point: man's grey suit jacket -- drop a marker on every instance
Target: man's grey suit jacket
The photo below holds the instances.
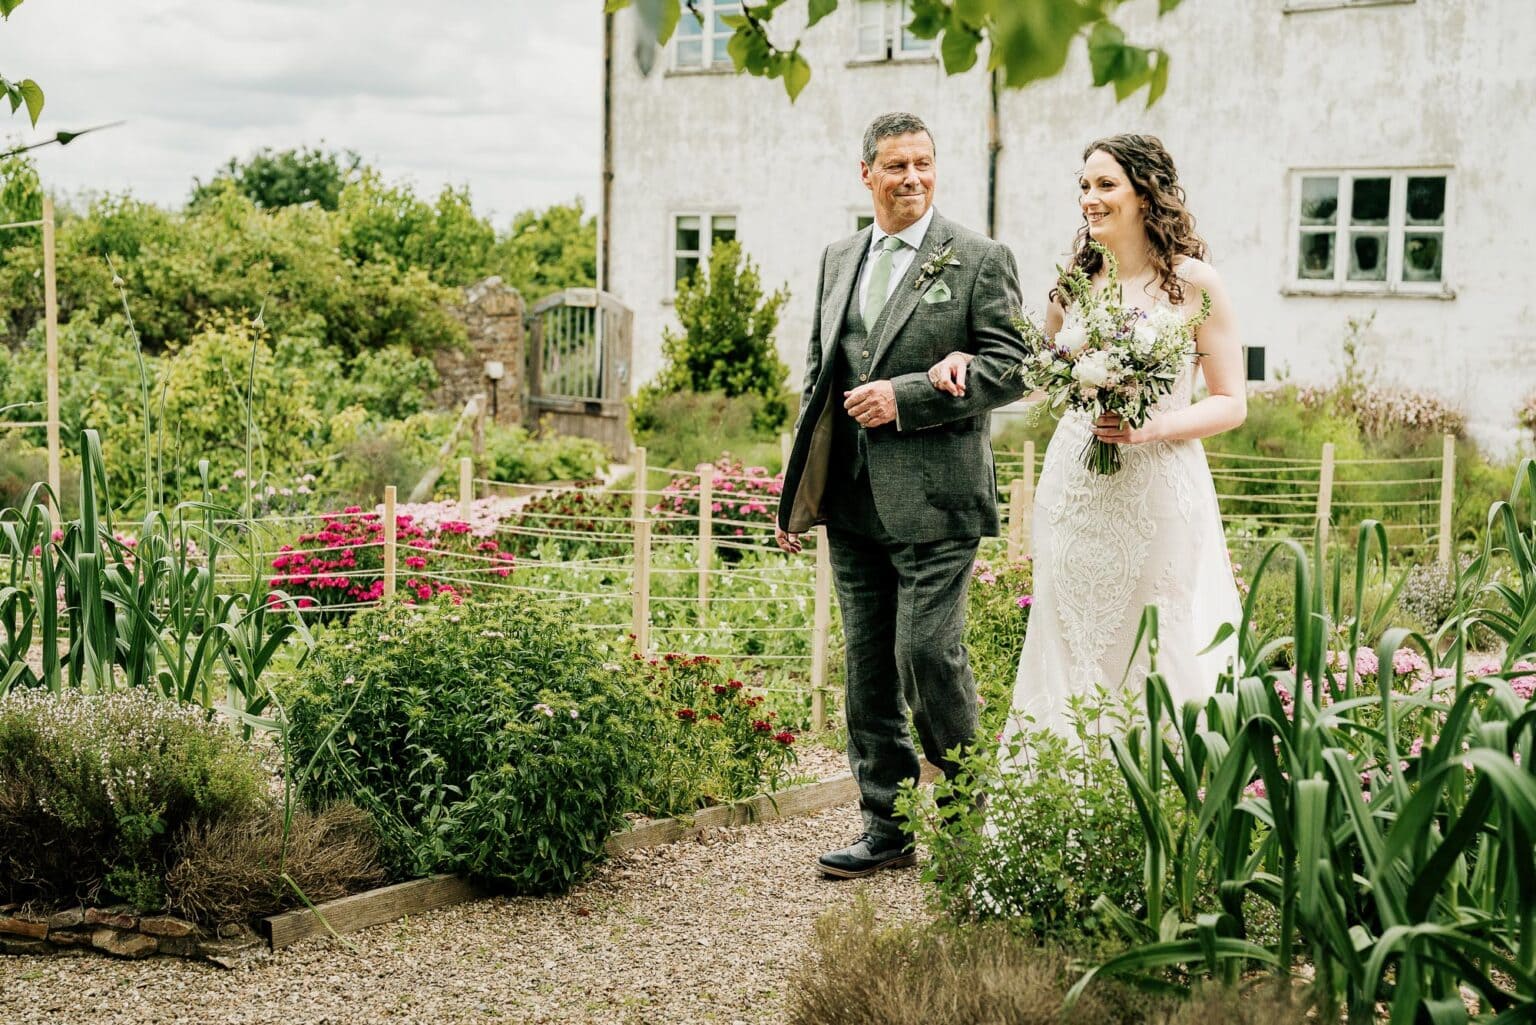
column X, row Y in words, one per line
column 931, row 471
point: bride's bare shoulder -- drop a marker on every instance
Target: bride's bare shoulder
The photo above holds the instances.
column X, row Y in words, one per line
column 1195, row 271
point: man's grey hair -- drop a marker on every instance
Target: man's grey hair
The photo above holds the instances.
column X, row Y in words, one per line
column 887, row 125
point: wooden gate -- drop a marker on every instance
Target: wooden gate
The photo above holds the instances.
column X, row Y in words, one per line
column 579, row 359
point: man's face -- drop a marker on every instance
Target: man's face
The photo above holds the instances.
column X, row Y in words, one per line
column 901, row 179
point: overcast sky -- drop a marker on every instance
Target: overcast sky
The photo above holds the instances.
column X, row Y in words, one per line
column 502, row 95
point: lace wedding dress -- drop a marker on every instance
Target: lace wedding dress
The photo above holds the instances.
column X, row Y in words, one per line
column 1106, row 547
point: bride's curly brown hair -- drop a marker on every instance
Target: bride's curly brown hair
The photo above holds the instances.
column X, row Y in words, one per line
column 1170, row 226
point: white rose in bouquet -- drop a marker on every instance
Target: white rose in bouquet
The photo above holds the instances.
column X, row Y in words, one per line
column 1072, row 336
column 1143, row 337
column 1164, row 320
column 1092, row 370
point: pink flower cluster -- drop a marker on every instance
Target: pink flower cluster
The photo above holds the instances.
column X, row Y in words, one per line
column 744, row 496
column 343, row 562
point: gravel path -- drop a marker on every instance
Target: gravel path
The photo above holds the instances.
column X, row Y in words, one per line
column 701, row 931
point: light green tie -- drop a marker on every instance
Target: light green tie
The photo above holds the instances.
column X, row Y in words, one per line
column 879, row 280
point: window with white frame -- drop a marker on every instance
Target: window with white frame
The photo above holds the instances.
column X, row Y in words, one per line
column 692, row 237
column 1370, row 230
column 882, row 31
column 702, row 44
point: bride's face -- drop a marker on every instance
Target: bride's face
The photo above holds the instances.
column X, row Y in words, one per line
column 1108, row 200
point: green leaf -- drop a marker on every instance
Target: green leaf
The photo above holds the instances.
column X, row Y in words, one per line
column 609, row 6
column 820, row 9
column 1106, row 43
column 671, row 13
column 13, row 93
column 959, row 48
column 928, row 19
column 7, row 6
column 1133, row 71
column 32, row 93
column 797, row 74
column 972, row 12
column 1166, row 6
column 1159, row 79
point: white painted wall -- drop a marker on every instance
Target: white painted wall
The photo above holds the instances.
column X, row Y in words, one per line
column 1256, row 91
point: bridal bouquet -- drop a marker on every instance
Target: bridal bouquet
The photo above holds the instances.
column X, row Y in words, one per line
column 1109, row 356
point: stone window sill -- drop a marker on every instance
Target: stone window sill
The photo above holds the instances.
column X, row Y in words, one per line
column 1444, row 294
column 875, row 62
column 1307, row 6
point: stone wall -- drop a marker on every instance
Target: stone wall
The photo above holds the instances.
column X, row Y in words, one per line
column 492, row 314
column 121, row 932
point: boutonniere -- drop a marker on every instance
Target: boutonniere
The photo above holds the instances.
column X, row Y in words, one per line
column 943, row 258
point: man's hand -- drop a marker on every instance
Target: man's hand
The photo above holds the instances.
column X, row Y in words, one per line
column 872, row 404
column 787, row 541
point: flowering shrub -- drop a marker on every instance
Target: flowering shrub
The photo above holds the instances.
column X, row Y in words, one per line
column 715, row 741
column 997, row 613
column 487, row 738
column 746, row 499
column 270, row 496
column 96, row 788
column 586, row 509
column 342, row 563
column 1381, row 411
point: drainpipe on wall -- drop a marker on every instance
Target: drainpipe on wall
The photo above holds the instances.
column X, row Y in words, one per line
column 994, row 146
column 604, row 216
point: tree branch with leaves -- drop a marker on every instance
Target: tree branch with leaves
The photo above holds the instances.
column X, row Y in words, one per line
column 25, row 92
column 1029, row 40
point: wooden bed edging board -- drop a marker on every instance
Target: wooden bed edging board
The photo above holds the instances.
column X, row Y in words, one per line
column 360, row 910
column 375, row 907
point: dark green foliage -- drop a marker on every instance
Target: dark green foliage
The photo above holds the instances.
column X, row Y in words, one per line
column 727, row 340
column 286, row 178
column 485, row 739
column 513, row 454
column 1058, row 831
column 95, row 790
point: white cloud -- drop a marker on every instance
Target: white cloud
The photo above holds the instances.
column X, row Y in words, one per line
column 502, row 95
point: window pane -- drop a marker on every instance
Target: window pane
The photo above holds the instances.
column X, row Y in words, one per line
column 722, row 52
column 690, row 53
column 685, row 266
column 1316, row 256
column 1372, row 201
column 687, row 234
column 1255, row 354
column 1319, row 200
column 912, row 44
column 688, row 25
column 1421, row 256
column 1426, row 200
column 723, row 229
column 1367, row 256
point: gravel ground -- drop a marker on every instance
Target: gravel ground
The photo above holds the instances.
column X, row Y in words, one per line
column 701, row 931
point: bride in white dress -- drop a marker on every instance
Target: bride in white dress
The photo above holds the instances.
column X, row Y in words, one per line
column 1107, row 546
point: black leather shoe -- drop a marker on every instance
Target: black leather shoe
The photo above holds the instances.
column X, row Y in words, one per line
column 865, row 856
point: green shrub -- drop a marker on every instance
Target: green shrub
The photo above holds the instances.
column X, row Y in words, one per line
column 485, row 739
column 682, row 429
column 513, row 454
column 96, row 788
column 997, row 611
column 1056, row 831
column 585, row 509
column 714, row 741
column 727, row 340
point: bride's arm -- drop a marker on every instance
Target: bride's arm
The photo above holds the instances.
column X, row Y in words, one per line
column 1221, row 360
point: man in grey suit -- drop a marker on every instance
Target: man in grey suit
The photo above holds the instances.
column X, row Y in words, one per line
column 900, row 472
